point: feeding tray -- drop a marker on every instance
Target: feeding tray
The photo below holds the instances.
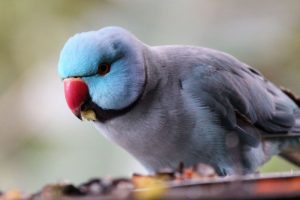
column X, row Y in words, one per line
column 183, row 184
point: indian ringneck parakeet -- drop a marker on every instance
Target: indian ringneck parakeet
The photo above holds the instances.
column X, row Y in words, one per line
column 172, row 104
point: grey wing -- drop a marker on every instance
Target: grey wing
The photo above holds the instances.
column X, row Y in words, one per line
column 242, row 98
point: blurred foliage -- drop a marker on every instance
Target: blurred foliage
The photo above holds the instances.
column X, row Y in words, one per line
column 41, row 141
column 27, row 26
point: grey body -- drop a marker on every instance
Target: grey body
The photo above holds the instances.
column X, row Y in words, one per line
column 172, row 104
column 201, row 105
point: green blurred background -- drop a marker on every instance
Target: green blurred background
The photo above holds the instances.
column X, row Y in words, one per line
column 42, row 142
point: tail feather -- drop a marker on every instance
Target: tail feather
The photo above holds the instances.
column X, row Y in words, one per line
column 296, row 99
column 290, row 94
column 290, row 146
column 296, row 127
column 292, row 156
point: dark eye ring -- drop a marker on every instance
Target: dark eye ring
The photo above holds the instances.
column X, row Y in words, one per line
column 103, row 69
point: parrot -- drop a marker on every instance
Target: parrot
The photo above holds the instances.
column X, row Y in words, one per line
column 173, row 104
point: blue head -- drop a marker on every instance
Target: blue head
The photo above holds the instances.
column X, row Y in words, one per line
column 110, row 62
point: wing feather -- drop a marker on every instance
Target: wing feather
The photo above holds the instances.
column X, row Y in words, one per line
column 241, row 97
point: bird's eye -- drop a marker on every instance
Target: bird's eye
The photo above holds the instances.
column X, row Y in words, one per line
column 103, row 69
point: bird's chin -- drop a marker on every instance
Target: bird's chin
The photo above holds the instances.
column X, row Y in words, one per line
column 92, row 112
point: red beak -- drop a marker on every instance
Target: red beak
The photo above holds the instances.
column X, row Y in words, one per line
column 76, row 93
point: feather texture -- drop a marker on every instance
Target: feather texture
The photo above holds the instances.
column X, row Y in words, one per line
column 172, row 104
